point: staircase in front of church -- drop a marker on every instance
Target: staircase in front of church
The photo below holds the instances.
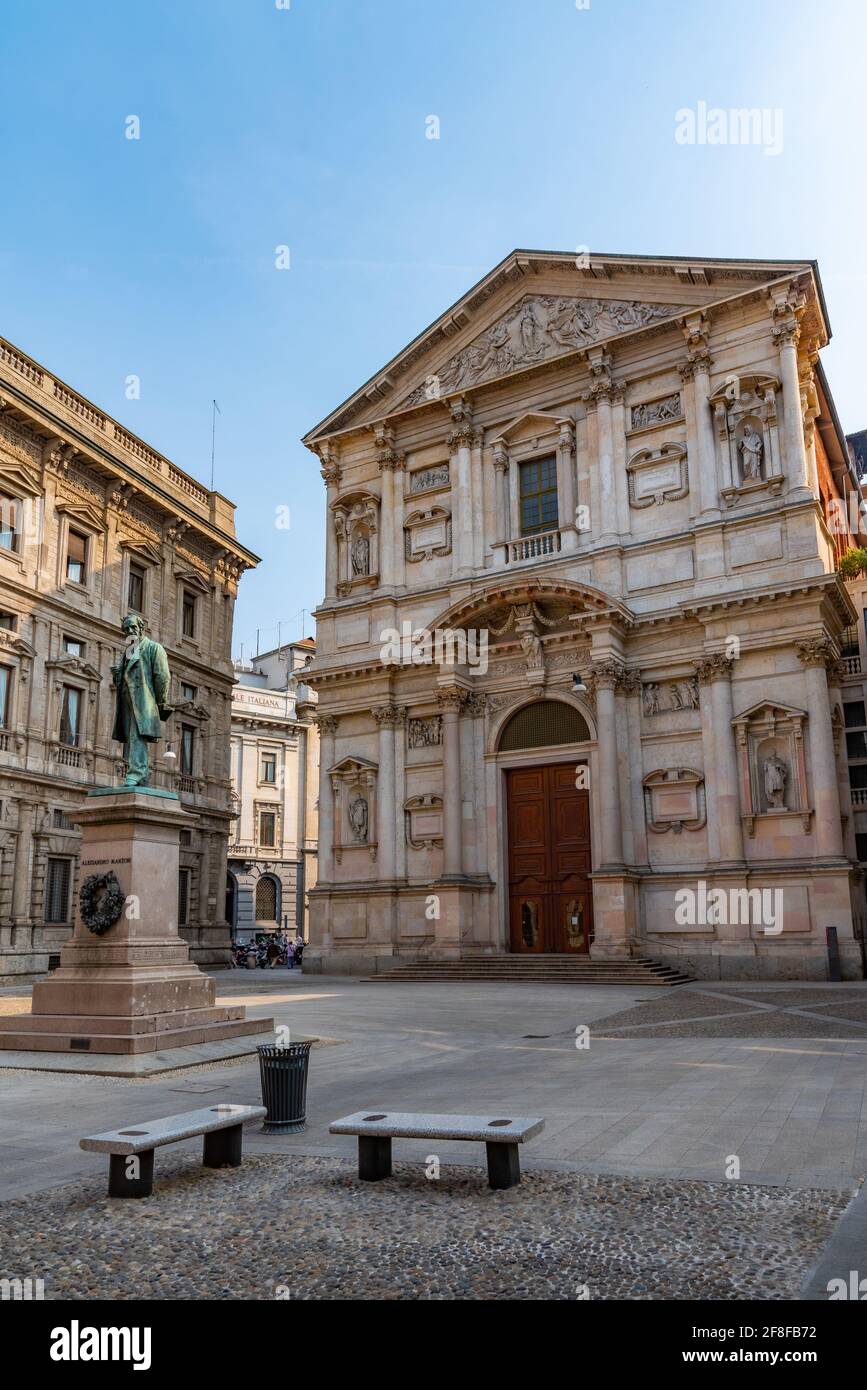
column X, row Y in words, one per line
column 561, row 970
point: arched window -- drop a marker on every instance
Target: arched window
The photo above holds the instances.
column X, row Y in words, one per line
column 266, row 899
column 541, row 725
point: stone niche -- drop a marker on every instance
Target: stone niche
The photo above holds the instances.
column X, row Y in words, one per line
column 674, row 799
column 747, row 436
column 772, row 764
column 356, row 526
column 353, row 783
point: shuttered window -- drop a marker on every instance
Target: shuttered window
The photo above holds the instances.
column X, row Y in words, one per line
column 541, row 725
column 57, row 882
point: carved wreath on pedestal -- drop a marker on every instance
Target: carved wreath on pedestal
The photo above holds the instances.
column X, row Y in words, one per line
column 101, row 901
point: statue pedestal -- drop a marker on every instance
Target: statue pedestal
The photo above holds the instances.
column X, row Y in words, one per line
column 133, row 989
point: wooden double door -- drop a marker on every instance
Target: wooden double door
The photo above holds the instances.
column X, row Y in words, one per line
column 550, row 893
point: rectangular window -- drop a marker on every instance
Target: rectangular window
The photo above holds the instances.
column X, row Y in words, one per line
column 188, row 692
column 5, row 696
column 849, row 641
column 267, row 829
column 183, row 897
column 853, row 714
column 268, row 772
column 76, row 557
column 9, row 621
column 73, row 647
column 57, row 882
column 188, row 614
column 856, row 745
column 538, row 495
column 60, row 820
column 858, row 776
column 135, row 591
column 70, row 716
column 10, row 523
column 188, row 745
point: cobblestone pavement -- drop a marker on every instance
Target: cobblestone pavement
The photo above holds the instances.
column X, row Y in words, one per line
column 716, row 1012
column 305, row 1228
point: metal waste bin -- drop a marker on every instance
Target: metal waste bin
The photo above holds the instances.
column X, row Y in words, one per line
column 284, row 1086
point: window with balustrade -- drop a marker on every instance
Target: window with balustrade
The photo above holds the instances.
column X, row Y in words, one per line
column 855, row 724
column 70, row 716
column 5, row 696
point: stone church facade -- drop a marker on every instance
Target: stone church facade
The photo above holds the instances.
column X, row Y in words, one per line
column 578, row 659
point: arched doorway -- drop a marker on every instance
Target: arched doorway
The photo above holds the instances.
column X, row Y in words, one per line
column 548, row 818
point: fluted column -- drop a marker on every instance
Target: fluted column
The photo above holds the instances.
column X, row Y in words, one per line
column 331, row 476
column 388, row 718
column 606, row 677
column 816, row 654
column 460, row 442
column 450, row 700
column 600, row 395
column 696, row 370
column 786, row 335
column 715, row 671
column 327, row 726
column 385, row 457
column 566, row 486
column 501, row 497
column 631, row 686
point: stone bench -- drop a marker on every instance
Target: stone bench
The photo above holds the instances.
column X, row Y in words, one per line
column 221, row 1125
column 500, row 1135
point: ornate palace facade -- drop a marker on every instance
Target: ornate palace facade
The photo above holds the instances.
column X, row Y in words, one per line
column 95, row 523
column 578, row 658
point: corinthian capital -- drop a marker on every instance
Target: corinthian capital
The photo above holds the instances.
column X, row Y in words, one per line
column 607, row 674
column 715, row 667
column 816, row 651
column 326, row 724
column 451, row 697
column 389, row 715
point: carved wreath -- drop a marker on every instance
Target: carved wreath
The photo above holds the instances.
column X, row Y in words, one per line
column 101, row 902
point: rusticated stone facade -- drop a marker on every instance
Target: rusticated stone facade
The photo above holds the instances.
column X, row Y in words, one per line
column 603, row 491
column 96, row 523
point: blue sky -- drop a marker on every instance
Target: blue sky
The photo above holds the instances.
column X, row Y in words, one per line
column 305, row 127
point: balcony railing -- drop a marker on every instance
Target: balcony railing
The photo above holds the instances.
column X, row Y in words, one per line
column 70, row 757
column 859, row 796
column 536, row 547
column 852, row 665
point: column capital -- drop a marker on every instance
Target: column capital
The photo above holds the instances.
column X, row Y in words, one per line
column 451, row 697
column 566, row 438
column 607, row 674
column 326, row 723
column 787, row 334
column 389, row 715
column 476, row 704
column 462, row 431
column 500, row 456
column 816, row 651
column 715, row 667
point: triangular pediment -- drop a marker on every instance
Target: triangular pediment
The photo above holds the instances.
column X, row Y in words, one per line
column 17, row 480
column 87, row 516
column 352, row 764
column 537, row 306
column 142, row 549
column 769, row 711
column 192, row 580
column 533, row 425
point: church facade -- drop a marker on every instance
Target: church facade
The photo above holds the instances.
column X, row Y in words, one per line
column 579, row 655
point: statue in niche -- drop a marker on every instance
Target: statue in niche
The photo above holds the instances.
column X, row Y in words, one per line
column 358, row 819
column 360, row 556
column 751, row 448
column 532, row 649
column 651, row 699
column 775, row 774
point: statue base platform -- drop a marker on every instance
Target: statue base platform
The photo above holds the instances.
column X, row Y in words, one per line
column 133, row 989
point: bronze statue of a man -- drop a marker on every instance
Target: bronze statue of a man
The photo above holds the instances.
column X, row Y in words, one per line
column 141, row 681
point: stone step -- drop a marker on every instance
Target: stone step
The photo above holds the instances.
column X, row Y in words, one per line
column 534, row 970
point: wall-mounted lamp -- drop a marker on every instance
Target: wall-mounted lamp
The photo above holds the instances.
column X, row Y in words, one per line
column 578, row 686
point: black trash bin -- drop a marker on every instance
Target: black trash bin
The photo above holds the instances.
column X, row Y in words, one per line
column 284, row 1087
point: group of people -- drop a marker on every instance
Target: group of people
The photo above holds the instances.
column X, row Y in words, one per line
column 269, row 950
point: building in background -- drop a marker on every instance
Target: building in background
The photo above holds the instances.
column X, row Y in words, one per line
column 622, row 482
column 275, row 777
column 95, row 523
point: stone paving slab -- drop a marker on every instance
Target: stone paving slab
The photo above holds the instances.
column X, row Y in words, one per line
column 324, row 1235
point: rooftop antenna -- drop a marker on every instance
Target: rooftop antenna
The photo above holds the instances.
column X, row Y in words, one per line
column 214, row 413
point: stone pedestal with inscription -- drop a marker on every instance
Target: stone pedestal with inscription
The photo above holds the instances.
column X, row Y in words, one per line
column 130, row 988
